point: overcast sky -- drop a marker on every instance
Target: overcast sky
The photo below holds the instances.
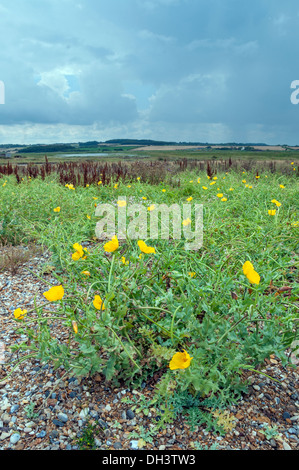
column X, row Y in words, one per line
column 173, row 70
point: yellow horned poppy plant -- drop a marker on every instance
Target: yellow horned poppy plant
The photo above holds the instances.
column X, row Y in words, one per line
column 252, row 276
column 75, row 326
column 144, row 248
column 186, row 222
column 121, row 203
column 98, row 303
column 180, row 360
column 55, row 293
column 78, row 253
column 19, row 314
column 112, row 245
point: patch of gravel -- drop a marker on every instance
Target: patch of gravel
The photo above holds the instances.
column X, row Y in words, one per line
column 46, row 409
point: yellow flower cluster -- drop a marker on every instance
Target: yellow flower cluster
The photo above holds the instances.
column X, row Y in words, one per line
column 79, row 253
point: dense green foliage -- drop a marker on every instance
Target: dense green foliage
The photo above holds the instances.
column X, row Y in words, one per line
column 175, row 299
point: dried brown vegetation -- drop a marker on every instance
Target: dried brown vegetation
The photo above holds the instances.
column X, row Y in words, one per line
column 88, row 172
column 12, row 257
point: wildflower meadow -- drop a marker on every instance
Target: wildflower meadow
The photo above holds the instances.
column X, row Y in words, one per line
column 132, row 306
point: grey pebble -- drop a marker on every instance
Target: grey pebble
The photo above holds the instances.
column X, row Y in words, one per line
column 84, row 413
column 58, row 423
column 273, row 443
column 134, row 445
column 102, row 424
column 41, row 434
column 130, row 414
column 5, row 418
column 14, row 438
column 27, row 430
column 14, row 408
column 54, row 434
column 117, row 445
column 62, row 417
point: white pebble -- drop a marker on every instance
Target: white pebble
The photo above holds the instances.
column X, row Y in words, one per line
column 14, row 438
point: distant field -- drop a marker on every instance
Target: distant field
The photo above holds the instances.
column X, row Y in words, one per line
column 152, row 153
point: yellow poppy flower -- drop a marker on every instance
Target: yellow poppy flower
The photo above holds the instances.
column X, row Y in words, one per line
column 272, row 212
column 281, row 186
column 98, row 303
column 247, row 266
column 220, row 195
column 190, row 199
column 129, row 186
column 186, row 222
column 192, row 274
column 213, row 182
column 121, row 203
column 151, row 208
column 75, row 326
column 204, row 187
column 243, row 181
column 224, row 199
column 55, row 293
column 86, row 273
column 88, row 216
column 144, row 248
column 124, row 261
column 78, row 253
column 180, row 360
column 57, row 209
column 99, row 183
column 278, row 204
column 231, row 189
column 112, row 245
column 19, row 314
column 163, row 190
column 252, row 276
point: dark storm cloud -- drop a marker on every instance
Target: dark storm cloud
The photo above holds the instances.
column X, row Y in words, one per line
column 166, row 69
